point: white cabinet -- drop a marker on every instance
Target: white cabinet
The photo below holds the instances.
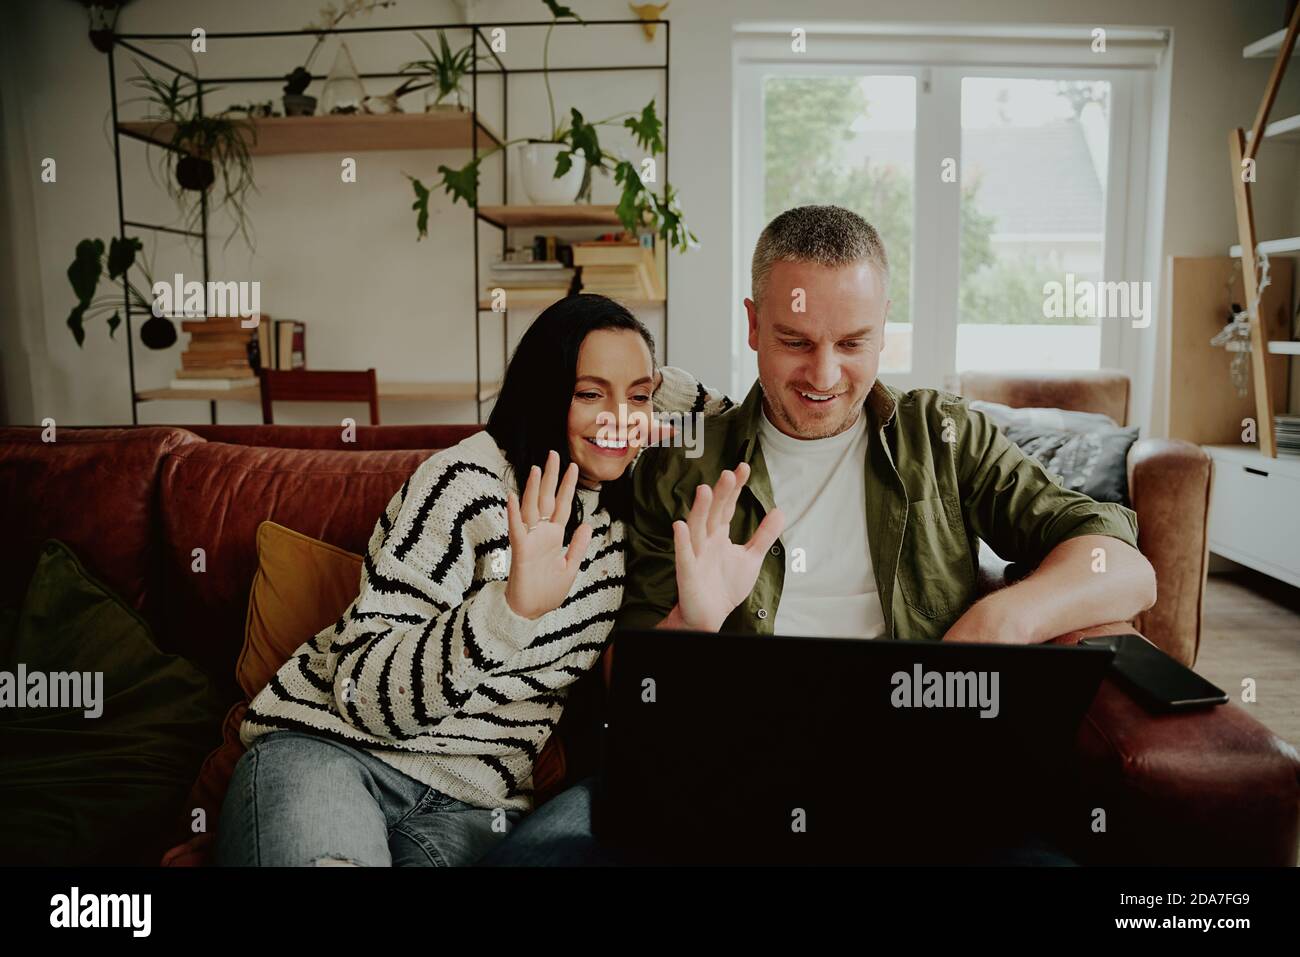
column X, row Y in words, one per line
column 1255, row 510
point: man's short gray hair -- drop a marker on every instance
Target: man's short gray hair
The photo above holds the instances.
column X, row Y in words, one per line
column 825, row 235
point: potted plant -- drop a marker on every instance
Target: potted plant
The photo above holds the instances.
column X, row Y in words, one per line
column 548, row 178
column 198, row 147
column 296, row 100
column 559, row 169
column 88, row 266
column 445, row 69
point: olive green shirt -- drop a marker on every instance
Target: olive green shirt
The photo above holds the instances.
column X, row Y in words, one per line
column 939, row 477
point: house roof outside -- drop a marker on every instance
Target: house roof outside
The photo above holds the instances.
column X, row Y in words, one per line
column 1037, row 180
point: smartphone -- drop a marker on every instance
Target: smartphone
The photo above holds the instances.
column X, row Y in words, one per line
column 1158, row 681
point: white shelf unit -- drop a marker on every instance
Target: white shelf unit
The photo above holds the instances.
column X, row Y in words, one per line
column 1255, row 510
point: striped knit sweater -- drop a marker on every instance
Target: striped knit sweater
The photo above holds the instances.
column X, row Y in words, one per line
column 429, row 668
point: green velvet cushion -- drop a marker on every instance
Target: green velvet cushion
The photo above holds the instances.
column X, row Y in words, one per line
column 102, row 790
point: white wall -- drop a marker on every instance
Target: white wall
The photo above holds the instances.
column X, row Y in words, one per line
column 344, row 257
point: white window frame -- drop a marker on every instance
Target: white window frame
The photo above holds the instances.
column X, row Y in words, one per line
column 939, row 65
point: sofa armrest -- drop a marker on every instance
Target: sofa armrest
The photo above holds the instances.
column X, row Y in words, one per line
column 1169, row 488
column 1212, row 787
column 1209, row 787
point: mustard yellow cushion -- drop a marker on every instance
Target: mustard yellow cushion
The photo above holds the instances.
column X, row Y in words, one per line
column 301, row 586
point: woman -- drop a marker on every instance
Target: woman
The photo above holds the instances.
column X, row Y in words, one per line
column 406, row 732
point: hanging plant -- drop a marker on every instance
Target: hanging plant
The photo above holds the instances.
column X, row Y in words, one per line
column 88, row 267
column 103, row 21
column 639, row 207
column 200, row 149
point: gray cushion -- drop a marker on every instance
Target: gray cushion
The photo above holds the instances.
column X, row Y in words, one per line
column 1086, row 451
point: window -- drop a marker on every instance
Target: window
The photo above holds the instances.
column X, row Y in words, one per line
column 849, row 141
column 1033, row 185
column 987, row 181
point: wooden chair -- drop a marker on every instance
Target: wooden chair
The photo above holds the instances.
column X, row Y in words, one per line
column 312, row 385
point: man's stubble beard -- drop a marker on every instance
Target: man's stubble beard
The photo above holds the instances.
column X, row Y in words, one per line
column 782, row 419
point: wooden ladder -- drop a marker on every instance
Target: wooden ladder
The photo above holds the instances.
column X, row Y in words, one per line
column 1242, row 150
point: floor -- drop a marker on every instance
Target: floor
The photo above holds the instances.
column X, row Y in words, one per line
column 1252, row 629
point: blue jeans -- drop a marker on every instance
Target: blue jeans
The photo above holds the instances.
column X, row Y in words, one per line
column 299, row 799
column 559, row 834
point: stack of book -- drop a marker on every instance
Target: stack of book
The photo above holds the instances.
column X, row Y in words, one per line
column 1286, row 430
column 221, row 353
column 621, row 270
column 529, row 283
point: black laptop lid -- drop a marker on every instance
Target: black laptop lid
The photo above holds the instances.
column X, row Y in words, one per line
column 741, row 747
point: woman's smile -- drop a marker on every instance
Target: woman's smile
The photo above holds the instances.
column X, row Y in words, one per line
column 612, row 448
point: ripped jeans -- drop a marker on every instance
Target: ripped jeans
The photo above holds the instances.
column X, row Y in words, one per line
column 298, row 799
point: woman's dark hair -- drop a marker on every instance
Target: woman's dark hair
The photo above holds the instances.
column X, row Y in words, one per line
column 531, row 415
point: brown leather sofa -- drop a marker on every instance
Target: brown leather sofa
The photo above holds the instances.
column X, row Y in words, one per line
column 1169, row 489
column 1208, row 788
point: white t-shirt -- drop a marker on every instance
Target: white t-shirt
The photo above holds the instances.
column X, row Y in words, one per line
column 820, row 485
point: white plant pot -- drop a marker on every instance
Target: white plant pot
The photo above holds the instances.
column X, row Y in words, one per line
column 537, row 166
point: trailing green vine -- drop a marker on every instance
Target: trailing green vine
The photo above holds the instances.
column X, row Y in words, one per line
column 638, row 208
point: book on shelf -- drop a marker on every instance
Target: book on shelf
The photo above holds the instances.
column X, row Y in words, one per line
column 549, row 271
column 217, row 345
column 552, row 248
column 198, row 357
column 240, row 362
column 216, row 372
column 228, row 336
column 290, row 344
column 265, row 347
column 620, row 269
column 620, row 281
column 526, row 266
column 225, row 354
column 1286, row 430
column 221, row 325
column 538, row 281
column 209, row 384
column 221, row 353
column 529, row 295
column 599, row 253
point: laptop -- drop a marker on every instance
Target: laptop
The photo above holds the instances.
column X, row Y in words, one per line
column 737, row 748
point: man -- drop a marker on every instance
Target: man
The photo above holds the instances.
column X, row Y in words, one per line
column 884, row 496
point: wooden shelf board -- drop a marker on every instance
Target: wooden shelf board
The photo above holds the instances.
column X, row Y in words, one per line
column 399, row 391
column 278, row 135
column 575, row 214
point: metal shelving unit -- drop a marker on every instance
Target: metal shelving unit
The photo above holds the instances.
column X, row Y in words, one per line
column 390, row 132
